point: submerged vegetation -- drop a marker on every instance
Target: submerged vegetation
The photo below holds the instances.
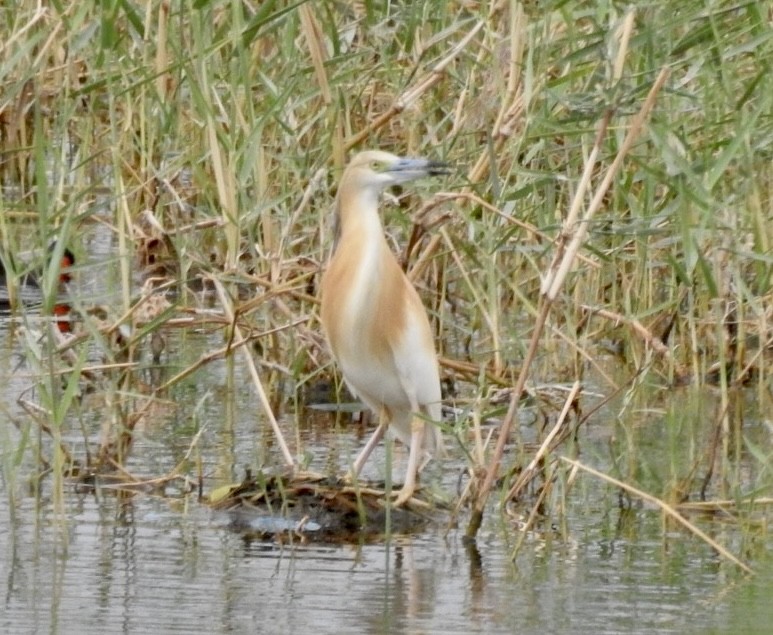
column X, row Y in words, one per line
column 204, row 140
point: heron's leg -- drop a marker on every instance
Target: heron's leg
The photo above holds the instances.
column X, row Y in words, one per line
column 414, row 456
column 383, row 424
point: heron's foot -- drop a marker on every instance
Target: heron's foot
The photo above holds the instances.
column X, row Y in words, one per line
column 348, row 479
column 404, row 495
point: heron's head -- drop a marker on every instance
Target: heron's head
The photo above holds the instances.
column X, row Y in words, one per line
column 375, row 170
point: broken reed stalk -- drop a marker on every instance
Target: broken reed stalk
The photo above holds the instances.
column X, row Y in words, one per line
column 237, row 334
column 665, row 508
column 650, row 339
column 573, row 233
column 222, row 352
column 488, row 316
column 526, row 475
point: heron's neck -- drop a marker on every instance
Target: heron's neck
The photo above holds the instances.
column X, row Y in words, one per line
column 359, row 218
column 361, row 247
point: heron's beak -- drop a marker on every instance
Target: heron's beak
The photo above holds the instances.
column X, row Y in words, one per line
column 409, row 169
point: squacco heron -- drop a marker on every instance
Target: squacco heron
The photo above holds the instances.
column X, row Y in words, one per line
column 374, row 321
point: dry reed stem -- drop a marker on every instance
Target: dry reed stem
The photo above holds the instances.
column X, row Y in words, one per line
column 623, row 35
column 407, row 98
column 473, row 371
column 17, row 34
column 175, row 472
column 33, row 409
column 163, row 78
column 459, row 117
column 224, row 176
column 723, row 505
column 95, row 368
column 665, row 508
column 134, row 483
column 479, row 448
column 535, row 510
column 228, row 309
column 553, row 282
column 126, row 317
column 517, row 45
column 197, row 226
column 512, row 105
column 125, row 231
column 637, row 327
column 273, row 290
column 222, row 352
column 112, row 450
column 315, row 184
column 316, row 43
column 50, row 42
column 65, row 344
column 571, row 230
column 526, row 475
column 556, row 275
column 479, row 302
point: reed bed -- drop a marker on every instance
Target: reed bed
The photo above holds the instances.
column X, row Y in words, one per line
column 611, row 198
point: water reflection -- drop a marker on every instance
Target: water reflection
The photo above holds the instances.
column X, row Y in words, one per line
column 122, row 563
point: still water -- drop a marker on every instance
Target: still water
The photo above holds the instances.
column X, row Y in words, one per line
column 99, row 561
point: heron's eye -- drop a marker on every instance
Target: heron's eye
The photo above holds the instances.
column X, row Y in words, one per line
column 376, row 166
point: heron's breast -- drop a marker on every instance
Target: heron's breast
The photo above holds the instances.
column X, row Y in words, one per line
column 346, row 295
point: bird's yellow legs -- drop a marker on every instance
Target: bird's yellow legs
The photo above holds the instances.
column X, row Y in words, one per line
column 362, row 457
column 414, row 455
column 417, row 443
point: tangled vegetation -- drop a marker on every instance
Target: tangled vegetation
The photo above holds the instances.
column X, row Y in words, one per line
column 207, row 137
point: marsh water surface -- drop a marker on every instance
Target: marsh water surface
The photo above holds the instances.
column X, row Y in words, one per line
column 76, row 559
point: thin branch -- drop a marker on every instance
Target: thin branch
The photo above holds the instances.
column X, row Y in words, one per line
column 665, row 508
